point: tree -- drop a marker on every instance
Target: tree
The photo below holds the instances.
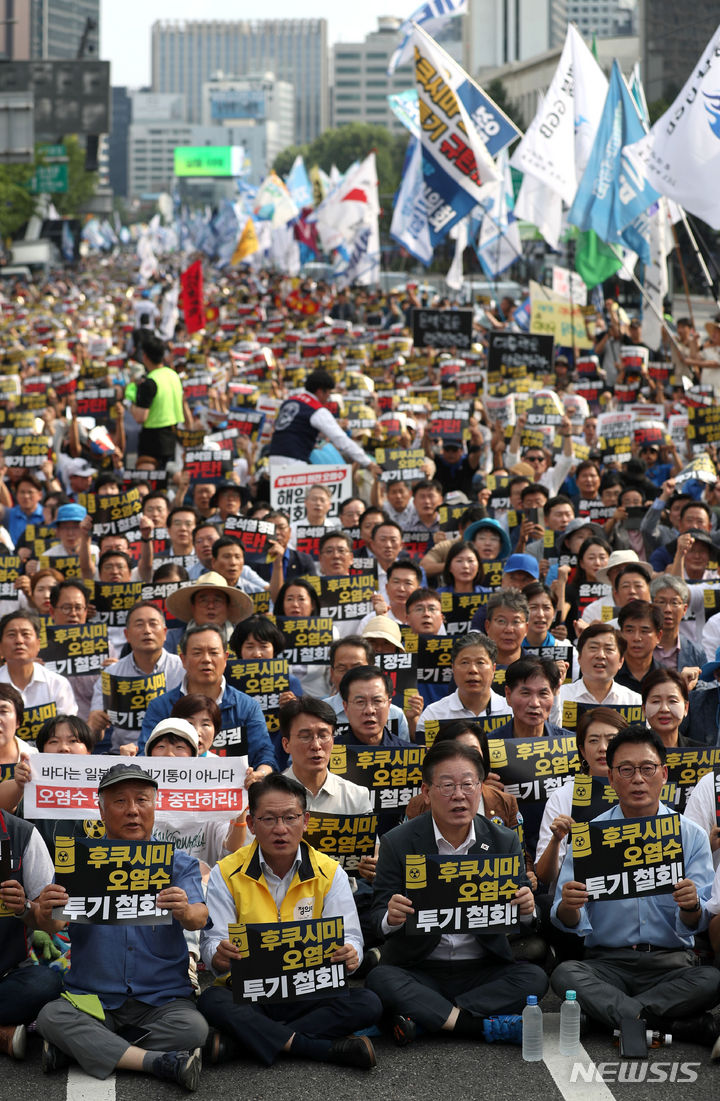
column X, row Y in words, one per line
column 81, row 184
column 352, row 143
column 17, row 203
column 497, row 92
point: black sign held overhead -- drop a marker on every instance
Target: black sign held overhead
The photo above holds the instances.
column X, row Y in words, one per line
column 531, row 351
column 442, row 328
column 5, row 860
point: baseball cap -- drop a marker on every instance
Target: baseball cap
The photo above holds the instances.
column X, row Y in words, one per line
column 181, row 728
column 68, row 514
column 525, row 562
column 119, row 773
column 80, row 468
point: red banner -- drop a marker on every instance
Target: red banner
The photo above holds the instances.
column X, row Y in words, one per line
column 191, row 297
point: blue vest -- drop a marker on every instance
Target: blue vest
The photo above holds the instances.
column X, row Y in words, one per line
column 293, row 435
column 13, row 943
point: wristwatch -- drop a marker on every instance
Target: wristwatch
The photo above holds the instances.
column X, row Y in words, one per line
column 25, row 910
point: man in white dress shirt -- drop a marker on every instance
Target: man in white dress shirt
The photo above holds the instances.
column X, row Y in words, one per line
column 600, row 654
column 473, row 666
column 19, row 648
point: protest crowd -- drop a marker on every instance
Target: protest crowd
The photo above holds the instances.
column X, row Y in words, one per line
column 360, row 651
column 357, row 647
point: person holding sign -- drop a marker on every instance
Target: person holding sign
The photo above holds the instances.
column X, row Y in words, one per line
column 464, row 983
column 473, row 667
column 639, row 961
column 19, row 647
column 279, row 876
column 130, row 977
column 600, row 654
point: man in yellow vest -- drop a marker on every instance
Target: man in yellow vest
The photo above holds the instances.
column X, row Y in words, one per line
column 279, row 877
column 158, row 404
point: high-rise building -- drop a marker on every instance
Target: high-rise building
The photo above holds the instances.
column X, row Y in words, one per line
column 673, row 40
column 604, row 18
column 52, row 29
column 500, row 32
column 187, row 54
column 117, row 142
column 260, row 110
column 360, row 81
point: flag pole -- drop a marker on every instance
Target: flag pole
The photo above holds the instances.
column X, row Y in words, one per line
column 683, row 274
column 699, row 256
column 648, row 300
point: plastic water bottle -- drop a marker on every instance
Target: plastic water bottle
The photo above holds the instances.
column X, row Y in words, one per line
column 570, row 1024
column 532, row 1031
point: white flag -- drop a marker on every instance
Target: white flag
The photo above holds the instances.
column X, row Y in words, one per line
column 454, row 277
column 558, row 141
column 353, row 203
column 655, row 278
column 681, row 154
column 432, row 16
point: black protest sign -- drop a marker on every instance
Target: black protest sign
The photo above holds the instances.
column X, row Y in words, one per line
column 231, row 742
column 308, row 639
column 402, row 670
column 206, row 465
column 392, row 775
column 249, row 422
column 459, row 609
column 462, row 894
column 686, row 765
column 115, row 515
column 628, row 857
column 33, row 719
column 307, row 538
column 112, row 882
column 434, row 659
column 265, row 681
column 572, row 712
column 68, row 565
column 190, row 437
column 253, row 535
column 347, row 597
column 592, row 795
column 532, row 768
column 26, row 452
column 487, row 723
column 114, row 601
column 287, row 960
column 516, row 355
column 9, row 572
column 95, row 401
column 157, row 593
column 74, row 651
column 126, row 699
column 401, row 464
column 442, row 328
column 344, row 837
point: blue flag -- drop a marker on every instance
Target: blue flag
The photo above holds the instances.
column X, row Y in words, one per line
column 612, row 193
column 298, row 184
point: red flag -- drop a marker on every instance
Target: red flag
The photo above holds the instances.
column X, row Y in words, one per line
column 191, row 298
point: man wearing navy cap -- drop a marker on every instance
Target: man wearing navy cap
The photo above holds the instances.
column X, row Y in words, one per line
column 134, row 978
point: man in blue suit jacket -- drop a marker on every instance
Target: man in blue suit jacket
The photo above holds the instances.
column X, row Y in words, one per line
column 466, row 983
column 203, row 653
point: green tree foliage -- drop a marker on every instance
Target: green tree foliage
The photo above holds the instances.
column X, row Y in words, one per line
column 496, row 90
column 81, row 184
column 16, row 202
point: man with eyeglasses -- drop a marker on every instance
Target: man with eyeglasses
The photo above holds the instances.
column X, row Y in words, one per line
column 639, row 960
column 464, row 983
column 69, row 608
column 308, row 726
column 350, row 653
column 279, row 877
column 549, row 473
column 365, row 692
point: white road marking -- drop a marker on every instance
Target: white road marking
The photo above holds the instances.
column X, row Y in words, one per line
column 560, row 1066
column 83, row 1087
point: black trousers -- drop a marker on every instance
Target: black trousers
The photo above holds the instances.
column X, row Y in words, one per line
column 264, row 1029
column 428, row 991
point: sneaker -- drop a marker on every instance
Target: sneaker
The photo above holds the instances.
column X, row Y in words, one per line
column 353, row 1051
column 182, row 1067
column 404, row 1030
column 505, row 1029
column 219, row 1048
column 13, row 1041
column 53, row 1058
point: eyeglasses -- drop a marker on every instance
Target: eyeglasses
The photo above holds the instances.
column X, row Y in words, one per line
column 534, row 458
column 68, row 609
column 447, row 788
column 669, row 603
column 374, row 704
column 308, row 739
column 269, row 821
column 647, row 770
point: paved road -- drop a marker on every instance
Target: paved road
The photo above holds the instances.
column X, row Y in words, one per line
column 430, row 1070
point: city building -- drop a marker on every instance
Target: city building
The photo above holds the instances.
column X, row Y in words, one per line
column 259, row 109
column 500, row 32
column 116, row 142
column 360, row 81
column 673, row 39
column 53, row 29
column 188, row 54
column 604, row 18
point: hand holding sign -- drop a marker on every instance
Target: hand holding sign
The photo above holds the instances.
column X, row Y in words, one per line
column 399, row 907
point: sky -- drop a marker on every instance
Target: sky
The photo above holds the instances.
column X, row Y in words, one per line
column 125, row 24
